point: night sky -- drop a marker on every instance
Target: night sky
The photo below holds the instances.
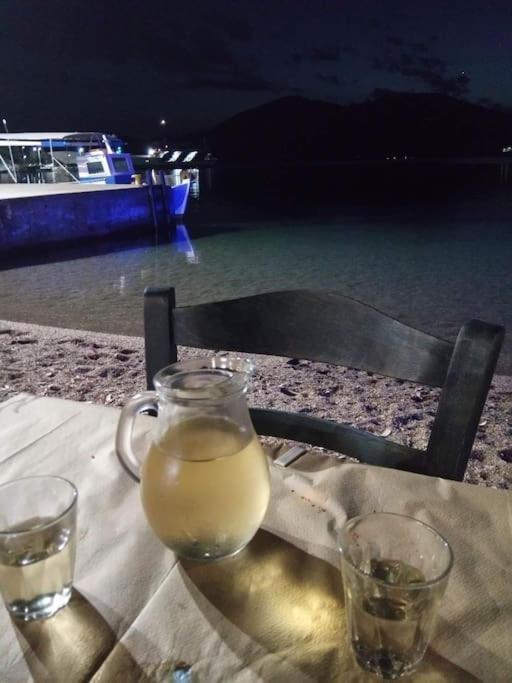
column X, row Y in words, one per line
column 122, row 65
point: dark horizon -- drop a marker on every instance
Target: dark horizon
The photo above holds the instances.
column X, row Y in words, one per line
column 72, row 65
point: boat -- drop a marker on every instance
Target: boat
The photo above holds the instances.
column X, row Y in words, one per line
column 92, row 158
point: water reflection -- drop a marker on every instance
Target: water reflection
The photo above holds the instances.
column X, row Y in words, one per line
column 183, row 244
column 120, row 286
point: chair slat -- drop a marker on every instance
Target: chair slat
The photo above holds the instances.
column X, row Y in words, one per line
column 159, row 343
column 319, row 326
column 335, row 436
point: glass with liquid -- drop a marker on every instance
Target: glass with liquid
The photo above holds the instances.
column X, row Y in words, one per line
column 205, row 481
column 395, row 570
column 37, row 545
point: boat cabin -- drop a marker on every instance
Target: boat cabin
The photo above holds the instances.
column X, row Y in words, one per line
column 102, row 166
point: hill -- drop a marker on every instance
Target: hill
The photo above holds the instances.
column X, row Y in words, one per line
column 296, row 129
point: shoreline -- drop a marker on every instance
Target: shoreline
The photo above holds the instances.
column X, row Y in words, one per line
column 103, row 368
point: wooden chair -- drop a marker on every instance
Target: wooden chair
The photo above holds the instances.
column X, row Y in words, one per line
column 331, row 328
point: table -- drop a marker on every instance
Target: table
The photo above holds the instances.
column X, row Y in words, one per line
column 275, row 612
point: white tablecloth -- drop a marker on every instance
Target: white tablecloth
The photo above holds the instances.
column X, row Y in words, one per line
column 138, row 614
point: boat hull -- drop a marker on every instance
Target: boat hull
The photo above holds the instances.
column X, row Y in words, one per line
column 177, row 198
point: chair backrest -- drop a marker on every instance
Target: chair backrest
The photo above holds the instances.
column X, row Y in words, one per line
column 329, row 327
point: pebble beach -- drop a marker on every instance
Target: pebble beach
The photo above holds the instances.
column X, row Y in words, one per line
column 108, row 369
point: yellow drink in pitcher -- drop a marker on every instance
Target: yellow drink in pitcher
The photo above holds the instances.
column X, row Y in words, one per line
column 205, row 487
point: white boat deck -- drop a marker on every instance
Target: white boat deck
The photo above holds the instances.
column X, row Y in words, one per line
column 24, row 190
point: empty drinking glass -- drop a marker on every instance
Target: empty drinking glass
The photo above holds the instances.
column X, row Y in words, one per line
column 37, row 545
column 395, row 570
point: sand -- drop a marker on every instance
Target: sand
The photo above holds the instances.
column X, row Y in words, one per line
column 108, row 369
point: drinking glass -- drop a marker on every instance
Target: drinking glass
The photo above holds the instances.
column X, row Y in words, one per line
column 395, row 570
column 37, row 545
column 205, row 482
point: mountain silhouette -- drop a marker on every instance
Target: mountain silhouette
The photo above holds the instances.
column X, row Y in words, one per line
column 416, row 125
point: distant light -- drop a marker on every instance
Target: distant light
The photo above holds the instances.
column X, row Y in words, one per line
column 163, row 122
column 119, row 150
column 190, row 156
column 506, row 149
column 24, row 156
column 34, row 149
column 80, row 150
column 175, row 156
column 151, row 151
column 4, row 121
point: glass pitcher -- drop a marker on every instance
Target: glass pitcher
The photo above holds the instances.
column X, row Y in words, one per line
column 205, row 482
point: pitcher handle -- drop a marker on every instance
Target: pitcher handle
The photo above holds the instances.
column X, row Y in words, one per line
column 124, row 449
